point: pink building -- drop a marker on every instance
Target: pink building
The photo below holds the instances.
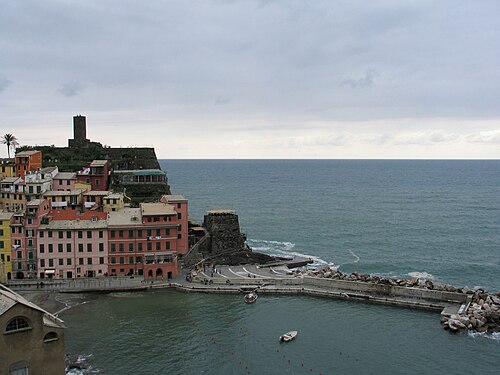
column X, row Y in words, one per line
column 180, row 205
column 24, row 230
column 73, row 244
column 64, row 181
column 96, row 174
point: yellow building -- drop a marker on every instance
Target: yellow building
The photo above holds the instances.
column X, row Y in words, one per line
column 63, row 200
column 5, row 246
column 7, row 168
column 113, row 202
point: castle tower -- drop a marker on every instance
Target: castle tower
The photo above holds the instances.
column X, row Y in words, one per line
column 79, row 132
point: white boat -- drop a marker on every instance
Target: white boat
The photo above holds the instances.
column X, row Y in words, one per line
column 250, row 297
column 289, row 336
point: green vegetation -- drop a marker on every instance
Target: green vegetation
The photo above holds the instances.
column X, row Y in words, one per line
column 10, row 141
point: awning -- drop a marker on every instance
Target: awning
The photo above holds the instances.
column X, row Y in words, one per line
column 50, row 272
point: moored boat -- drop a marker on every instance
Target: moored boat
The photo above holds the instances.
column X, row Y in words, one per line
column 250, row 297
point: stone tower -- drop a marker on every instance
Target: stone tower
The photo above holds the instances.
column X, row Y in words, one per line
column 79, row 132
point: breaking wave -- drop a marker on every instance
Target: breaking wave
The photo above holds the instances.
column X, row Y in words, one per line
column 492, row 336
column 285, row 249
column 421, row 275
column 80, row 365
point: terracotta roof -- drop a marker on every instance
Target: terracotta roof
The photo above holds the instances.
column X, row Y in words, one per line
column 75, row 215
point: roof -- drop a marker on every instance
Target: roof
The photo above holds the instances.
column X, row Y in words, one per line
column 174, row 198
column 75, row 215
column 9, row 298
column 6, row 215
column 125, row 216
column 141, row 172
column 63, row 193
column 219, row 212
column 115, row 196
column 9, row 180
column 65, row 176
column 35, row 202
column 24, row 154
column 157, row 209
column 98, row 163
column 74, row 224
column 99, row 193
column 48, row 169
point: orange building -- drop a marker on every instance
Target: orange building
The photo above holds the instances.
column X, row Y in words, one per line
column 27, row 161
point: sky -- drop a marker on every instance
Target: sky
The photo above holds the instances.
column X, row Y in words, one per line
column 256, row 78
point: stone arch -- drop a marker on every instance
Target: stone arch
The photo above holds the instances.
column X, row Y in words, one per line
column 150, row 273
column 159, row 272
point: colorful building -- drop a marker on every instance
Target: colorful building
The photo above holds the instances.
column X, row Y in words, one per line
column 12, row 197
column 113, row 202
column 7, row 168
column 96, row 174
column 38, row 182
column 31, row 339
column 64, row 181
column 24, row 229
column 73, row 244
column 26, row 161
column 65, row 200
column 5, row 246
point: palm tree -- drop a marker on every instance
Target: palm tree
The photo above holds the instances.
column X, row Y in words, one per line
column 11, row 141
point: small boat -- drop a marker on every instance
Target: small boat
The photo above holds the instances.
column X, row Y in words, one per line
column 250, row 298
column 289, row 336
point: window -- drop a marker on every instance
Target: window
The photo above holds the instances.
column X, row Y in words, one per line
column 51, row 262
column 120, row 233
column 80, row 248
column 131, row 260
column 80, row 261
column 89, row 260
column 178, row 205
column 60, row 247
column 41, row 233
column 158, row 246
column 68, row 234
column 179, row 216
column 158, row 232
column 42, row 262
column 101, row 247
column 122, row 260
column 17, row 324
column 68, row 261
column 51, row 248
column 89, row 247
column 80, row 234
column 167, row 245
column 131, row 234
column 149, row 233
column 139, row 233
column 138, row 259
column 61, row 261
column 122, row 248
column 60, row 234
column 113, row 260
column 179, row 236
column 101, row 260
column 68, row 248
column 51, row 336
column 150, row 246
column 112, row 234
column 89, row 234
column 139, row 246
column 101, row 234
column 113, row 247
column 42, row 248
column 167, row 232
column 50, row 233
column 130, row 247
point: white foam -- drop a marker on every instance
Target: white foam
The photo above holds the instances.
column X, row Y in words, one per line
column 492, row 336
column 280, row 249
column 421, row 275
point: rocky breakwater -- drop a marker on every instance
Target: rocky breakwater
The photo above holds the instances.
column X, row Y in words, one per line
column 482, row 315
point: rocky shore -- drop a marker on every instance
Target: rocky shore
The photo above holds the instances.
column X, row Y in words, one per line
column 481, row 315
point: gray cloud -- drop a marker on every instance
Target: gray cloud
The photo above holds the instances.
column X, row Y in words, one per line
column 70, row 89
column 366, row 80
column 4, row 83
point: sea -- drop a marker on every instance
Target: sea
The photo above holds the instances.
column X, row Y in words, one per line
column 432, row 219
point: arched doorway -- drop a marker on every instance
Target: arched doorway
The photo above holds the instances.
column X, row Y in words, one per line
column 9, row 276
column 159, row 272
column 150, row 273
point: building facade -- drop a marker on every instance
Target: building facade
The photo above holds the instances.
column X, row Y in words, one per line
column 26, row 161
column 5, row 246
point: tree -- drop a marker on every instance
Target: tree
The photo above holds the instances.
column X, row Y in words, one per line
column 11, row 141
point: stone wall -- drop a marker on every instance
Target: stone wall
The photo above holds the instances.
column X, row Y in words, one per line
column 224, row 230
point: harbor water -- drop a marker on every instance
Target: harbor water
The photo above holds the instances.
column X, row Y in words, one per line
column 434, row 219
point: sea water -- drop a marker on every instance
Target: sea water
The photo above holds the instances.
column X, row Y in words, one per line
column 433, row 219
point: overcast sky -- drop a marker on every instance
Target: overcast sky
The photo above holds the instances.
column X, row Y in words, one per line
column 256, row 78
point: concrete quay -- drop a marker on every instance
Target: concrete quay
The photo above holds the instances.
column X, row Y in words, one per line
column 264, row 280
